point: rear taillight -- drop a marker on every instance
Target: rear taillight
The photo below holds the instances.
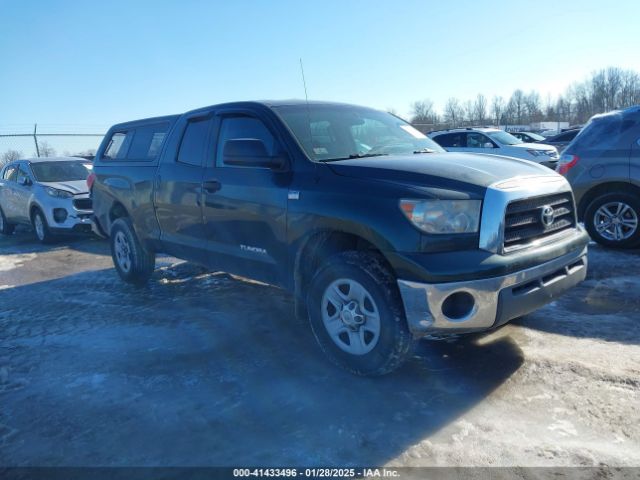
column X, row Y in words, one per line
column 566, row 163
column 90, row 180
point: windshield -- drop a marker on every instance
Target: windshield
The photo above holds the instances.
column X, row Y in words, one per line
column 60, row 171
column 504, row 138
column 535, row 136
column 337, row 132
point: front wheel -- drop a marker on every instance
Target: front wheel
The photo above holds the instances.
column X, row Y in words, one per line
column 6, row 228
column 133, row 262
column 612, row 220
column 356, row 314
column 41, row 227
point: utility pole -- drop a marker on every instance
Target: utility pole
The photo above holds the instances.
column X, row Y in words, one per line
column 35, row 139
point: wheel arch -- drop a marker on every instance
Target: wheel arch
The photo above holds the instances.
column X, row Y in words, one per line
column 319, row 246
column 604, row 188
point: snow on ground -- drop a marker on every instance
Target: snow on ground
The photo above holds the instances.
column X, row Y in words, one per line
column 205, row 369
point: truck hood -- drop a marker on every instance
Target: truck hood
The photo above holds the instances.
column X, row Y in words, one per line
column 74, row 186
column 450, row 171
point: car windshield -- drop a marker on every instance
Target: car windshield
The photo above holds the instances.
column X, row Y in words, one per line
column 504, row 138
column 337, row 132
column 60, row 171
column 534, row 136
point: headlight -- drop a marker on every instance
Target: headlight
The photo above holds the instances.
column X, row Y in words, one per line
column 537, row 153
column 54, row 192
column 443, row 216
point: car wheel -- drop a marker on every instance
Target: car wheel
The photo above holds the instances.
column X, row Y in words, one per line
column 41, row 227
column 6, row 228
column 356, row 314
column 133, row 262
column 612, row 220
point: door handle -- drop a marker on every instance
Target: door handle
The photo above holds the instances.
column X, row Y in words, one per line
column 211, row 186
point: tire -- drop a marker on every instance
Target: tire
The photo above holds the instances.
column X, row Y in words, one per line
column 604, row 210
column 336, row 287
column 41, row 227
column 133, row 262
column 6, row 228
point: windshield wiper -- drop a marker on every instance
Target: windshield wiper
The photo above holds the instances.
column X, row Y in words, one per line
column 425, row 150
column 354, row 155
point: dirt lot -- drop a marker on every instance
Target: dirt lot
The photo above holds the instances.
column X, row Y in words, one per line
column 205, row 369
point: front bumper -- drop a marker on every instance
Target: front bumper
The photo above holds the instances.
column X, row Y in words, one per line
column 74, row 220
column 496, row 300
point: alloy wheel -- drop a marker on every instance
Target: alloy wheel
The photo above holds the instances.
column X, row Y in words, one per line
column 615, row 221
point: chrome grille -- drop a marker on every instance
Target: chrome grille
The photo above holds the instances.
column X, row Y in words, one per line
column 524, row 219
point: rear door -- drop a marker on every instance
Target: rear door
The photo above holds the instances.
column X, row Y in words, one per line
column 22, row 192
column 245, row 208
column 7, row 201
column 178, row 189
column 452, row 142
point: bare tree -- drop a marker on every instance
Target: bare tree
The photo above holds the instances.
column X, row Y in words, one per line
column 469, row 112
column 46, row 150
column 422, row 112
column 517, row 106
column 480, row 108
column 497, row 109
column 533, row 107
column 10, row 156
column 453, row 112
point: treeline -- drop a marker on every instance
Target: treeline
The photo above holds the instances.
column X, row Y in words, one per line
column 607, row 89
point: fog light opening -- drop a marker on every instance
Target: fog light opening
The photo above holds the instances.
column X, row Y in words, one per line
column 458, row 305
column 59, row 215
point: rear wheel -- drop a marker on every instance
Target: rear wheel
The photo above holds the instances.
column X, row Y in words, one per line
column 356, row 314
column 41, row 227
column 133, row 262
column 612, row 220
column 6, row 228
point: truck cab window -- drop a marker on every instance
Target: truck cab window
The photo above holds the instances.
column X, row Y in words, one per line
column 147, row 141
column 118, row 146
column 194, row 143
column 243, row 127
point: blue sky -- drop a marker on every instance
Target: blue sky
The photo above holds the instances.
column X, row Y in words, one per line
column 101, row 62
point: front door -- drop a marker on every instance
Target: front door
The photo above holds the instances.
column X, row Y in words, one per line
column 245, row 208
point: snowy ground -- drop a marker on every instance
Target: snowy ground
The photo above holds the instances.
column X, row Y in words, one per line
column 204, row 369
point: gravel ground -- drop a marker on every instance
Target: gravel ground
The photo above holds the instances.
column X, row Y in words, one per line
column 206, row 369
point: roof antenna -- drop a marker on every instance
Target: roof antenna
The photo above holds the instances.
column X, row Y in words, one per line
column 306, row 97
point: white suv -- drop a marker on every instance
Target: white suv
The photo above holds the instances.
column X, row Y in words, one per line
column 496, row 142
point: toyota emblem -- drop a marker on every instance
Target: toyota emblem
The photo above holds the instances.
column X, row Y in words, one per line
column 547, row 216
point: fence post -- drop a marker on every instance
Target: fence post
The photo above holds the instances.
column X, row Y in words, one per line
column 35, row 139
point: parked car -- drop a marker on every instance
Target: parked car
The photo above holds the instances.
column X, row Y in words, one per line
column 494, row 141
column 51, row 194
column 602, row 164
column 381, row 235
column 528, row 137
column 561, row 140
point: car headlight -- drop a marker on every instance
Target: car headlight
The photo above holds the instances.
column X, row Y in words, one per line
column 537, row 153
column 54, row 192
column 443, row 216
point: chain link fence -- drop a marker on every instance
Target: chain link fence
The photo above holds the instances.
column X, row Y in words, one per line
column 27, row 141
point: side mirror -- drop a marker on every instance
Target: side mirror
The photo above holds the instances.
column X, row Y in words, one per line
column 24, row 181
column 250, row 152
column 487, row 145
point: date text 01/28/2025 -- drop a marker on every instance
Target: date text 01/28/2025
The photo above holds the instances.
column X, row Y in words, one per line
column 316, row 472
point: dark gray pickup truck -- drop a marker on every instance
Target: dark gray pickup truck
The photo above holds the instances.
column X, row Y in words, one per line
column 382, row 236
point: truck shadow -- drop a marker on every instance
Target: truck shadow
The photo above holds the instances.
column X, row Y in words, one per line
column 24, row 240
column 206, row 369
column 605, row 306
